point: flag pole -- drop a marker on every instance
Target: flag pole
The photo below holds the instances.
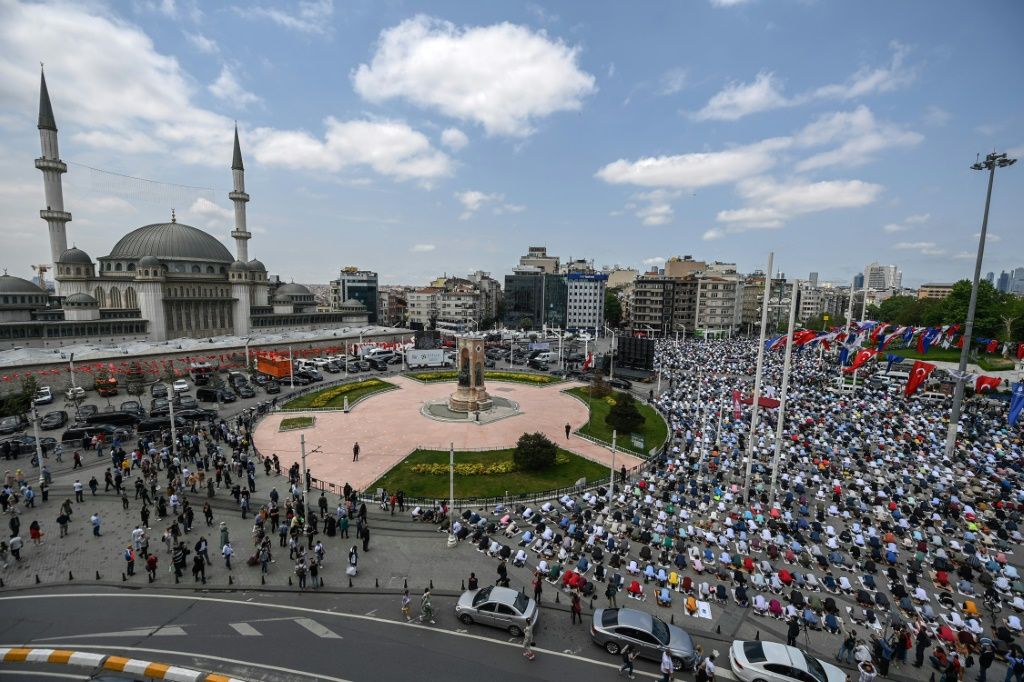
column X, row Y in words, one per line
column 757, row 377
column 786, row 364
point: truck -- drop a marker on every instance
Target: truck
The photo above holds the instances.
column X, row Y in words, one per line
column 274, row 366
column 427, row 358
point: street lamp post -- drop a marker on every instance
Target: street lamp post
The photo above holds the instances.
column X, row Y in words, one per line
column 991, row 162
column 39, row 445
column 611, row 369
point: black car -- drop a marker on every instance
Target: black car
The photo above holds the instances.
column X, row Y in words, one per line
column 397, row 360
column 259, row 378
column 299, row 379
column 196, row 415
column 378, row 365
column 26, row 445
column 158, row 404
column 53, row 420
column 332, row 367
column 115, row 418
column 244, row 391
column 272, row 387
column 86, row 411
column 76, row 433
column 185, row 402
column 537, row 365
column 158, row 423
column 158, row 390
column 313, row 374
column 364, row 365
column 237, row 380
column 133, row 406
column 622, row 384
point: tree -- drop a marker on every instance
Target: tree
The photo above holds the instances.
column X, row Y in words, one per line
column 599, row 388
column 525, row 324
column 534, row 452
column 612, row 308
column 624, row 416
column 20, row 402
column 986, row 315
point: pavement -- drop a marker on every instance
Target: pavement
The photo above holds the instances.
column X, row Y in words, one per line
column 389, row 425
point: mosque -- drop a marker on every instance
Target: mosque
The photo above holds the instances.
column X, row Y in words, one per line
column 161, row 281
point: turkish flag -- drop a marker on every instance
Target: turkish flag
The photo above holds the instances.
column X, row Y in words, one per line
column 1020, row 351
column 992, row 346
column 917, row 376
column 861, row 357
column 736, row 410
column 983, row 383
column 762, row 401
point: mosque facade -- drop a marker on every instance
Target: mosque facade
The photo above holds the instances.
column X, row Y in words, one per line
column 160, row 281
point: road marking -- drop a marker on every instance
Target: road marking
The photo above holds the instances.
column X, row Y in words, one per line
column 370, row 613
column 245, row 629
column 38, row 673
column 719, row 670
column 168, row 630
column 218, row 658
column 317, row 629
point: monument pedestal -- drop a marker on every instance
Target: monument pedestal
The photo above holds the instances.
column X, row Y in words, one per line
column 471, row 395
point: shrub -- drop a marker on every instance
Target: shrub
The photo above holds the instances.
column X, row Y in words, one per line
column 624, row 416
column 599, row 388
column 534, row 452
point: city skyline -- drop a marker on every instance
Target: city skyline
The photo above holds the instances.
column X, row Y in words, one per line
column 716, row 149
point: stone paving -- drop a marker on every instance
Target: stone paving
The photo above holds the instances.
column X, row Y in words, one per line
column 388, row 426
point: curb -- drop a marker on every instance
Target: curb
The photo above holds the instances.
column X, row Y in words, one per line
column 133, row 666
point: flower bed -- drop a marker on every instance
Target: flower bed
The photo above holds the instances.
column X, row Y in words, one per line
column 520, row 377
column 334, row 396
column 292, row 423
column 477, row 468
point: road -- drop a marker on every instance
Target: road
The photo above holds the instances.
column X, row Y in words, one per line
column 294, row 638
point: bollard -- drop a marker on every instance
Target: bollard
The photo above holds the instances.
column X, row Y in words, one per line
column 405, row 584
column 1, row 582
column 376, row 583
column 231, row 579
column 289, row 581
column 673, row 621
column 70, row 576
column 463, row 585
column 37, row 579
column 350, row 581
column 124, row 578
column 431, row 584
column 523, row 589
column 97, row 575
column 718, row 630
column 592, row 598
column 556, row 598
column 263, row 580
column 757, row 636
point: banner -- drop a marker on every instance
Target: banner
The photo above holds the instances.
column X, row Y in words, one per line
column 1016, row 402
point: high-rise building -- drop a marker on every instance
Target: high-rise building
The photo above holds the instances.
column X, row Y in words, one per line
column 681, row 267
column 1003, row 283
column 585, row 300
column 878, row 276
column 812, row 280
column 453, row 305
column 537, row 257
column 1015, row 284
column 490, row 297
column 358, row 285
column 534, row 298
column 858, row 280
column 990, row 278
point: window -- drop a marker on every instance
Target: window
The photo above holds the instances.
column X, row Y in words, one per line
column 209, row 270
column 131, row 267
column 196, row 269
column 78, row 270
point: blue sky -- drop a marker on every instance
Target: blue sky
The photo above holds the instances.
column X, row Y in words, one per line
column 422, row 138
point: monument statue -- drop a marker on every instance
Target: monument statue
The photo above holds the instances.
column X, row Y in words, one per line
column 471, row 395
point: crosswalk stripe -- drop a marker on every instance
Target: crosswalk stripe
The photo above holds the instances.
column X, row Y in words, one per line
column 245, row 629
column 317, row 629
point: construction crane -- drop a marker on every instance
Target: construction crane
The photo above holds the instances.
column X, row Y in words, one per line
column 42, row 269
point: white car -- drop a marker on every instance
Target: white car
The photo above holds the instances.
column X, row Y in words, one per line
column 44, row 396
column 180, row 386
column 756, row 661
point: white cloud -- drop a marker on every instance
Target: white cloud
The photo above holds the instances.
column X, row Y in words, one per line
column 697, row 169
column 936, row 116
column 472, row 201
column 895, row 227
column 202, row 43
column 227, row 88
column 917, row 218
column 673, row 81
column 657, row 208
column 503, row 77
column 737, row 100
column 656, row 260
column 925, row 248
column 713, row 234
column 989, row 237
column 212, row 214
column 861, row 137
column 770, row 204
column 389, row 147
column 742, row 99
column 310, row 16
column 454, row 139
column 728, row 3
column 965, row 255
column 423, row 248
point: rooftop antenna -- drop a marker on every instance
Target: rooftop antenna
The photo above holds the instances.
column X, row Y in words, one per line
column 174, row 218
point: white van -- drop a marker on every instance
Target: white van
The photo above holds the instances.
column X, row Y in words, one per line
column 304, row 364
column 549, row 357
column 379, row 354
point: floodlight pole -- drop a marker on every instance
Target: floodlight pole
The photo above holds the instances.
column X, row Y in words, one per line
column 757, row 378
column 991, row 162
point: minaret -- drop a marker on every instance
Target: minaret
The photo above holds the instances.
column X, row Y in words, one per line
column 240, row 234
column 52, row 167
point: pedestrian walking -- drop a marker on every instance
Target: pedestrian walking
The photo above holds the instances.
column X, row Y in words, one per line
column 198, row 569
column 793, row 631
column 538, row 589
column 95, row 520
column 568, row 430
column 610, row 593
column 151, row 562
column 406, row 606
column 15, row 544
column 227, row 552
column 985, row 660
column 426, row 609
column 355, row 452
column 576, row 609
column 79, row 497
column 129, row 558
column 629, row 655
column 62, row 523
column 300, row 572
column 667, row 668
column 366, row 538
column 528, row 641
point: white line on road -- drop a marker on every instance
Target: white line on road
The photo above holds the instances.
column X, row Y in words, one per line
column 245, row 629
column 18, row 674
column 370, row 613
column 317, row 629
column 720, row 671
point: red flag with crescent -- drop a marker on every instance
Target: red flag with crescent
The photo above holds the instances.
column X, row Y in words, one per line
column 983, row 383
column 918, row 374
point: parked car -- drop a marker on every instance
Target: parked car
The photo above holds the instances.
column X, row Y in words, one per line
column 158, row 423
column 158, row 390
column 76, row 433
column 259, row 378
column 180, row 386
column 44, row 396
column 185, row 402
column 621, row 384
column 74, row 393
column 86, row 411
column 298, row 378
column 245, row 391
column 53, row 420
column 133, row 406
column 538, row 365
column 26, row 445
column 213, row 395
column 613, row 629
column 332, row 367
column 498, row 607
column 272, row 387
column 12, row 424
column 199, row 414
column 157, row 404
column 774, row 662
column 398, row 359
column 378, row 365
column 313, row 374
column 114, row 418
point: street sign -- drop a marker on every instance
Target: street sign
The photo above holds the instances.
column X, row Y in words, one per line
column 637, row 440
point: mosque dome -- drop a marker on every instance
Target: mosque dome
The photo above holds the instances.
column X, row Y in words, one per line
column 171, row 241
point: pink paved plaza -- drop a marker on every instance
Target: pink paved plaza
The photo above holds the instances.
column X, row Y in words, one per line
column 388, row 426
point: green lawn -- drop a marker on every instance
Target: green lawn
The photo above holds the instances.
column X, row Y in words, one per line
column 401, row 477
column 296, row 423
column 988, row 361
column 655, row 431
column 334, row 396
column 489, row 374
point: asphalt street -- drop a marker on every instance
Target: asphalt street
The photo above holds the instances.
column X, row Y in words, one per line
column 292, row 637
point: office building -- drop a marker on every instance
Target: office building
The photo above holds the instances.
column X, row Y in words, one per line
column 878, row 276
column 934, row 291
column 537, row 257
column 585, row 301
column 355, row 285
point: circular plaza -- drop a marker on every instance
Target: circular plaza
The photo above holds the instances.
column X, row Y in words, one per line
column 392, row 424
